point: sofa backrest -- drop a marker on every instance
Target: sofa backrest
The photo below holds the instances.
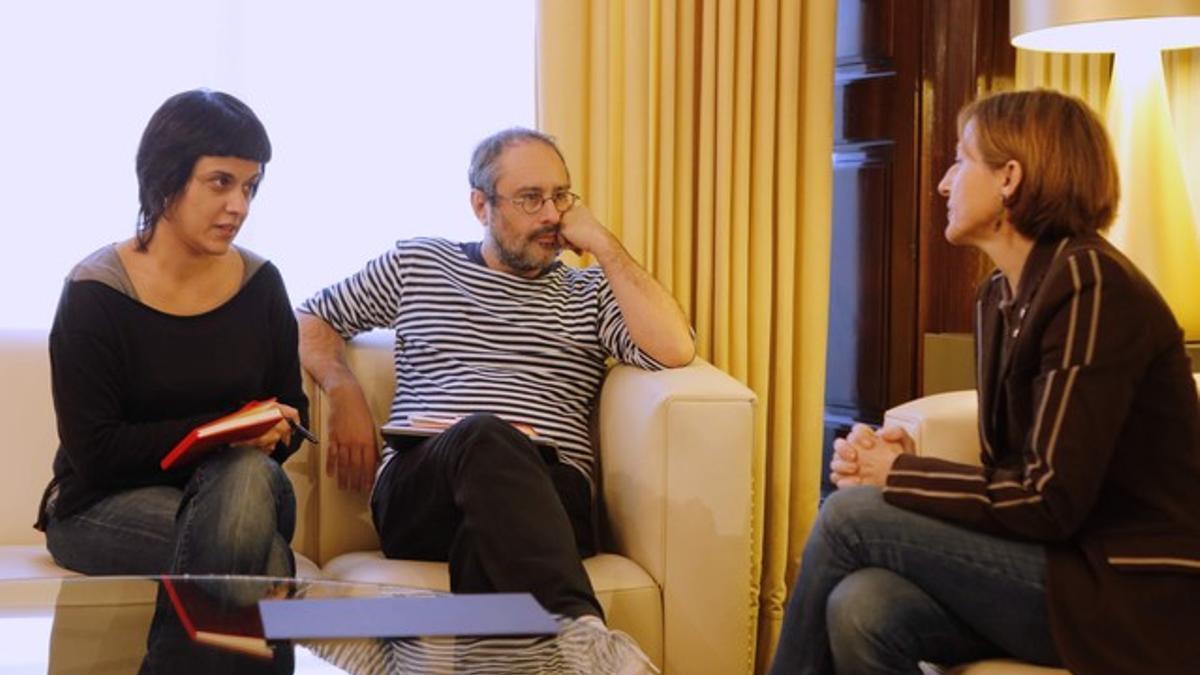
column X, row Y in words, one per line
column 30, row 434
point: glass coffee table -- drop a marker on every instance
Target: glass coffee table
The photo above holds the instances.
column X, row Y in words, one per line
column 134, row 625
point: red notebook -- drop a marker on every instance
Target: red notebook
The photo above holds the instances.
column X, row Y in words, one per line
column 239, row 629
column 252, row 421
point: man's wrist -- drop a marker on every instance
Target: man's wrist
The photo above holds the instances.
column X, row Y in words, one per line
column 342, row 387
column 609, row 250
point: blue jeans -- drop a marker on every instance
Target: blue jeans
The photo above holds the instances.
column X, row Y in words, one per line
column 235, row 515
column 881, row 589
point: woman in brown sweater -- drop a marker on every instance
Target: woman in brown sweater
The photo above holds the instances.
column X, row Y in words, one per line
column 1077, row 542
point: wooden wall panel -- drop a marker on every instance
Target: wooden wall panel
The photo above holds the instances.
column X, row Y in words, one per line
column 957, row 66
column 872, row 299
column 858, row 295
column 904, row 68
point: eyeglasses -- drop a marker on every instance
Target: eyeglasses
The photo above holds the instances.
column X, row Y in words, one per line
column 531, row 204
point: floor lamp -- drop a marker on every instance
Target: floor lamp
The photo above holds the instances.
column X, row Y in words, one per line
column 1155, row 225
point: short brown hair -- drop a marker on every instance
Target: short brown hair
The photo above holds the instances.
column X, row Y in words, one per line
column 1069, row 182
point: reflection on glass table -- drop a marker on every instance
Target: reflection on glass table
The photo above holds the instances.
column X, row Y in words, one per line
column 210, row 625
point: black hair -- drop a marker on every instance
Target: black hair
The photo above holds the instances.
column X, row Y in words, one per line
column 186, row 127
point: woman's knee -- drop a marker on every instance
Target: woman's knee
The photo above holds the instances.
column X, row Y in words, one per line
column 858, row 603
column 246, row 487
column 851, row 503
column 245, row 474
column 841, row 539
column 867, row 618
column 859, row 509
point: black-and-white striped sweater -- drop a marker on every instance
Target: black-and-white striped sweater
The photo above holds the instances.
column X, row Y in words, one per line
column 472, row 339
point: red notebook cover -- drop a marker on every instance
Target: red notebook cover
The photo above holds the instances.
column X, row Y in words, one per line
column 239, row 629
column 252, row 421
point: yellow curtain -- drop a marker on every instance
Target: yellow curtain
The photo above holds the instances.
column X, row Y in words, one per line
column 1151, row 106
column 700, row 132
column 1083, row 75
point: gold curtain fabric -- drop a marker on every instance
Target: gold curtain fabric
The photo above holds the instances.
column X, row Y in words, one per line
column 700, row 132
column 1083, row 75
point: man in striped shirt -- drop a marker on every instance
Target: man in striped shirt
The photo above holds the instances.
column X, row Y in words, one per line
column 495, row 333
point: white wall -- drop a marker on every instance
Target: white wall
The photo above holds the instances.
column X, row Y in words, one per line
column 372, row 107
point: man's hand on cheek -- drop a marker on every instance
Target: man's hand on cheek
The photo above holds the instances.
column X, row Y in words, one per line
column 582, row 233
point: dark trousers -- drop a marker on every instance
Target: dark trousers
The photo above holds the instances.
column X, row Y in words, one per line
column 480, row 496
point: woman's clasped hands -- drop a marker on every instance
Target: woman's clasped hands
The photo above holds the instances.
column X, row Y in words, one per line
column 865, row 456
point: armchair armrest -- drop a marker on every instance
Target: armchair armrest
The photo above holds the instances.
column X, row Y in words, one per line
column 343, row 517
column 946, row 425
column 677, row 461
column 942, row 425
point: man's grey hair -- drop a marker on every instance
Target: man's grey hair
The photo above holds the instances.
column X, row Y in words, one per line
column 484, row 171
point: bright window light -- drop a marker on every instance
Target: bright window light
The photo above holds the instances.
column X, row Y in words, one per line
column 24, row 640
column 373, row 108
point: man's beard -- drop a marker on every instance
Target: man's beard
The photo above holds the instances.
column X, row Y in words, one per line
column 518, row 261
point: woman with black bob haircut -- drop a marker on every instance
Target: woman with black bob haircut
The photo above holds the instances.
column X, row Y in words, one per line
column 187, row 126
column 163, row 332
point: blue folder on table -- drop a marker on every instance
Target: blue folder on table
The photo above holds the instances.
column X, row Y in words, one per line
column 405, row 616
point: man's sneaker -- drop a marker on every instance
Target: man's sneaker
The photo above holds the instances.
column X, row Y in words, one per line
column 588, row 647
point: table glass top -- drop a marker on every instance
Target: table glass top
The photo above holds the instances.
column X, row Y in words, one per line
column 210, row 625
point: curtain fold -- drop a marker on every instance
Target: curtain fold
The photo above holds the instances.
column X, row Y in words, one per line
column 700, row 132
column 1084, row 75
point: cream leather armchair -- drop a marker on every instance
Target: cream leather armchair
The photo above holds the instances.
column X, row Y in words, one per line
column 676, row 453
column 946, row 426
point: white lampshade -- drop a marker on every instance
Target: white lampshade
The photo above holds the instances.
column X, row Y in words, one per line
column 1104, row 25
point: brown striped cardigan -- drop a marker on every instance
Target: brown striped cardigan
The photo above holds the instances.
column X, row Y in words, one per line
column 1090, row 430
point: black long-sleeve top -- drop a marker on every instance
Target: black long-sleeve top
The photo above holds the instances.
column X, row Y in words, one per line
column 130, row 381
